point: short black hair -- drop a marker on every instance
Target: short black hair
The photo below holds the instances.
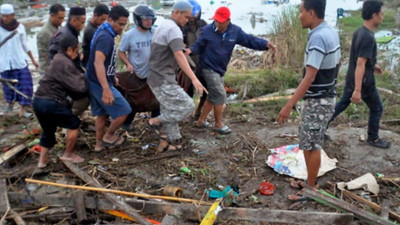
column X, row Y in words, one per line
column 370, row 7
column 67, row 42
column 55, row 8
column 118, row 11
column 317, row 5
column 101, row 9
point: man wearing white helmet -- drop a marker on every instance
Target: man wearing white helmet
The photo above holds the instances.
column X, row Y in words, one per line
column 134, row 50
column 166, row 53
column 13, row 60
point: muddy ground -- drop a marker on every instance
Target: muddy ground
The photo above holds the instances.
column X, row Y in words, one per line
column 215, row 161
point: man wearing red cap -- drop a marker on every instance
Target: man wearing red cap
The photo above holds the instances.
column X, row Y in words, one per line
column 215, row 45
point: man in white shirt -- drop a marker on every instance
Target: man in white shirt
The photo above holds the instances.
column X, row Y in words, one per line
column 13, row 63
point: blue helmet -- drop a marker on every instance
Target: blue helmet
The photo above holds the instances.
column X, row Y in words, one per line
column 143, row 12
column 196, row 10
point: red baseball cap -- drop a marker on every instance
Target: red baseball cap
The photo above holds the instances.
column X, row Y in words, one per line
column 222, row 14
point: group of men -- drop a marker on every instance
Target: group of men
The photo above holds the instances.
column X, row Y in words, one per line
column 154, row 54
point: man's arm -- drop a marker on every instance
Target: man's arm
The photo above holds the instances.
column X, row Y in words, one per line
column 358, row 78
column 301, row 90
column 124, row 58
column 184, row 65
column 99, row 59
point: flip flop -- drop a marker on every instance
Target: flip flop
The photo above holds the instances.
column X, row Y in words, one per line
column 298, row 197
column 41, row 165
column 223, row 130
column 115, row 143
column 98, row 150
column 156, row 129
column 204, row 125
column 298, row 184
column 167, row 148
column 74, row 159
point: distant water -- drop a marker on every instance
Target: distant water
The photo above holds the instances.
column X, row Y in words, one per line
column 253, row 16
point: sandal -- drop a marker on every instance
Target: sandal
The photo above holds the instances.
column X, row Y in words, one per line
column 223, row 130
column 41, row 165
column 156, row 129
column 298, row 184
column 116, row 143
column 73, row 159
column 204, row 125
column 298, row 197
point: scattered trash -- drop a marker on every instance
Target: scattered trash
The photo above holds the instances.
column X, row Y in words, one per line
column 266, row 188
column 289, row 160
column 366, row 181
column 198, row 151
column 212, row 213
column 185, row 170
column 173, row 191
column 220, row 194
column 115, row 159
column 362, row 138
column 25, row 130
column 254, row 198
column 36, row 149
column 34, row 142
column 42, row 209
column 147, row 146
column 123, row 215
column 379, row 175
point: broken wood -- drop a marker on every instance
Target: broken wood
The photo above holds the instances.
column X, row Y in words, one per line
column 286, row 94
column 163, row 156
column 191, row 211
column 4, row 206
column 169, row 220
column 329, row 200
column 385, row 208
column 377, row 208
column 11, row 153
column 105, row 190
column 111, row 197
column 17, row 218
column 249, row 188
column 79, row 205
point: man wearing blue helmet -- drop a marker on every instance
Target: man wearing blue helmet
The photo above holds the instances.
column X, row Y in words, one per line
column 134, row 50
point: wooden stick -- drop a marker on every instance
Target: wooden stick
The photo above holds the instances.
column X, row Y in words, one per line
column 132, row 194
column 327, row 199
column 121, row 204
column 373, row 205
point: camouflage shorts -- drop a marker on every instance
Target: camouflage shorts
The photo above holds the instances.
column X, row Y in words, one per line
column 315, row 115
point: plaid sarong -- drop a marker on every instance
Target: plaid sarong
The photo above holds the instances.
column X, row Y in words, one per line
column 24, row 85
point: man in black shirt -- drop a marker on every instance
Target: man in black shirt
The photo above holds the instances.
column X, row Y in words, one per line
column 100, row 15
column 360, row 79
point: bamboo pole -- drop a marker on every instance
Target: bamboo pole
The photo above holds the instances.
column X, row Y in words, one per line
column 126, row 193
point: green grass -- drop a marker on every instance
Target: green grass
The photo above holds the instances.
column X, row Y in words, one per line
column 262, row 82
column 352, row 23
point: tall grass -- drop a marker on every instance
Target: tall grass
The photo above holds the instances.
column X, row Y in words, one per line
column 289, row 37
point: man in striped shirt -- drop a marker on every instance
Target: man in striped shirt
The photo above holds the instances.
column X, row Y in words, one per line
column 318, row 87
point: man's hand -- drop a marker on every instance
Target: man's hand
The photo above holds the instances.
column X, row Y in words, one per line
column 107, row 97
column 378, row 70
column 271, row 46
column 284, row 114
column 199, row 87
column 129, row 67
column 187, row 51
column 356, row 97
column 36, row 65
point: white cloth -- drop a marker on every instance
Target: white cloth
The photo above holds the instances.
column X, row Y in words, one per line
column 13, row 52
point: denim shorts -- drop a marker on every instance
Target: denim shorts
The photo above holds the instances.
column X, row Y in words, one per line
column 120, row 107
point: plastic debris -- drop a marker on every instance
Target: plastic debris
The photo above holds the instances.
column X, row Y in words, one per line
column 289, row 160
column 220, row 194
column 266, row 188
column 34, row 142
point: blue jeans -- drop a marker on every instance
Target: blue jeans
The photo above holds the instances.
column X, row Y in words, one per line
column 370, row 96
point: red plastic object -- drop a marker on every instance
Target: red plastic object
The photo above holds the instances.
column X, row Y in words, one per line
column 36, row 148
column 266, row 188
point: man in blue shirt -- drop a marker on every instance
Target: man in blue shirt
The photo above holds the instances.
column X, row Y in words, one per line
column 215, row 45
column 105, row 99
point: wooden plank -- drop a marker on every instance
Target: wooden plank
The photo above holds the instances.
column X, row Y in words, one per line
column 169, row 220
column 385, row 208
column 79, row 205
column 331, row 201
column 111, row 197
column 377, row 208
column 17, row 218
column 4, row 157
column 193, row 212
column 3, row 196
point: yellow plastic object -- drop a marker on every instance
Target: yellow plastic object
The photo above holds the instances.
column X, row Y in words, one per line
column 212, row 213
